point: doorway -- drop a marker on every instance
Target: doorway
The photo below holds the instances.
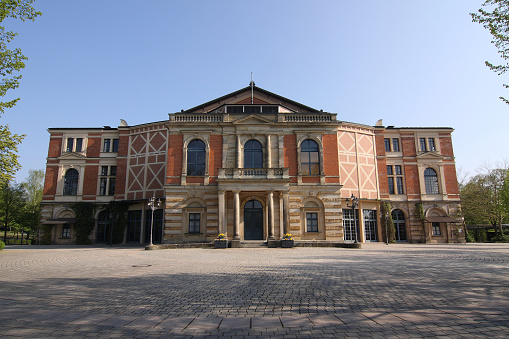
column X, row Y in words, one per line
column 253, row 220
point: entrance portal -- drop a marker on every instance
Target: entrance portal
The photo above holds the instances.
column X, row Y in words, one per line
column 253, row 220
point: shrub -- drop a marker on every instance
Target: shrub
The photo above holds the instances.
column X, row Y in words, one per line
column 2, row 245
column 500, row 238
column 469, row 237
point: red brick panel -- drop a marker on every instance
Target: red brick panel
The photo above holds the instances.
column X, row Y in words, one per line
column 94, row 145
column 123, row 144
column 175, row 146
column 379, row 140
column 50, row 182
column 215, row 156
column 310, row 180
column 90, row 182
column 451, row 181
column 195, row 180
column 412, row 180
column 408, row 145
column 330, row 155
column 120, row 178
column 290, row 154
column 446, row 145
column 382, row 178
column 55, row 145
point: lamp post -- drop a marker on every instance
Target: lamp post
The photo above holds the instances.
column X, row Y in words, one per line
column 153, row 204
column 354, row 201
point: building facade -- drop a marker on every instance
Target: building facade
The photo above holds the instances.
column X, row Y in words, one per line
column 254, row 166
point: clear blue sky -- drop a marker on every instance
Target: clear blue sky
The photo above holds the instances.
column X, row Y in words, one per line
column 410, row 63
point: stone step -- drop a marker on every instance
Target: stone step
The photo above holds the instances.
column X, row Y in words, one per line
column 253, row 243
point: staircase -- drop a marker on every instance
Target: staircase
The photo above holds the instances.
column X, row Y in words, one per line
column 253, row 244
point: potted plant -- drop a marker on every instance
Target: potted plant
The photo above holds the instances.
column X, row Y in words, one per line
column 287, row 241
column 221, row 241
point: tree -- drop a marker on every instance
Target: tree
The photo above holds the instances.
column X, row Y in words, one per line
column 482, row 198
column 33, row 187
column 12, row 204
column 497, row 22
column 11, row 62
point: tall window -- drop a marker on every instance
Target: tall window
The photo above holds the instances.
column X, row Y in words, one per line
column 350, row 223
column 398, row 219
column 395, row 145
column 196, row 158
column 107, row 180
column 66, row 231
column 70, row 145
column 194, row 222
column 310, row 157
column 422, row 143
column 431, row 143
column 312, row 222
column 106, row 145
column 370, row 228
column 253, row 154
column 387, row 143
column 133, row 226
column 394, row 174
column 431, row 181
column 71, row 182
column 114, row 146
column 103, row 227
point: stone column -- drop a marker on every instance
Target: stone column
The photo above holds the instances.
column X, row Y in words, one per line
column 221, row 215
column 269, row 153
column 271, row 215
column 236, row 222
column 239, row 153
column 286, row 212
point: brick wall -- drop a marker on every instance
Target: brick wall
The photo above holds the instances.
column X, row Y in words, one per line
column 215, row 156
column 290, row 154
column 50, row 180
column 408, row 145
column 174, row 170
column 90, row 180
column 55, row 145
column 330, row 155
column 94, row 145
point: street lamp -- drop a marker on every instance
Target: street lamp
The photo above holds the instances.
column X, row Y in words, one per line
column 354, row 201
column 153, row 204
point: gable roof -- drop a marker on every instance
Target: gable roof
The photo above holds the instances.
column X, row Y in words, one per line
column 213, row 104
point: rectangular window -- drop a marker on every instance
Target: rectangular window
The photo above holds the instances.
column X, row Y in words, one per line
column 399, row 185
column 312, row 222
column 422, row 144
column 350, row 224
column 113, row 170
column 269, row 109
column 390, row 180
column 103, row 185
column 387, row 143
column 133, row 232
column 389, row 170
column 370, row 225
column 70, row 145
column 111, row 187
column 431, row 143
column 79, row 144
column 395, row 145
column 104, row 170
column 436, row 228
column 252, row 109
column 115, row 145
column 397, row 169
column 106, row 145
column 66, row 231
column 235, row 109
column 194, row 222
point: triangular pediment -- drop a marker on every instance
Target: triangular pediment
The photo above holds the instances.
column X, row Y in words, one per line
column 252, row 95
column 252, row 119
column 72, row 155
column 429, row 155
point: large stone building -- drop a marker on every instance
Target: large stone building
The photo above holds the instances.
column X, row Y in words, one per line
column 255, row 165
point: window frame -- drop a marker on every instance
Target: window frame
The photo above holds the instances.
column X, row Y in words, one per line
column 313, row 227
column 66, row 231
column 194, row 167
column 436, row 230
column 395, row 145
column 194, row 220
column 252, row 154
column 307, row 151
column 71, row 188
column 387, row 144
column 431, row 182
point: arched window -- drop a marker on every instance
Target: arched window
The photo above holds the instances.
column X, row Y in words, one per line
column 310, row 157
column 71, row 182
column 431, row 181
column 398, row 219
column 196, row 158
column 103, row 227
column 253, row 154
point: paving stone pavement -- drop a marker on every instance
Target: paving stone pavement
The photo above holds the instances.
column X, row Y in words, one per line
column 379, row 291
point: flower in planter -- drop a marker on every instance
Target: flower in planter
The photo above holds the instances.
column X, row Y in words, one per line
column 287, row 236
column 221, row 236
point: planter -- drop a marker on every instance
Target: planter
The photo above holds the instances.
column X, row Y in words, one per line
column 286, row 243
column 221, row 243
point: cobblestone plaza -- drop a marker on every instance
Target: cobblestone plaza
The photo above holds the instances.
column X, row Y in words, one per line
column 379, row 291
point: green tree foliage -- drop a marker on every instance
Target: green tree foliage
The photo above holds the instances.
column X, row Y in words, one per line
column 12, row 205
column 11, row 63
column 482, row 198
column 33, row 186
column 388, row 230
column 84, row 212
column 494, row 16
